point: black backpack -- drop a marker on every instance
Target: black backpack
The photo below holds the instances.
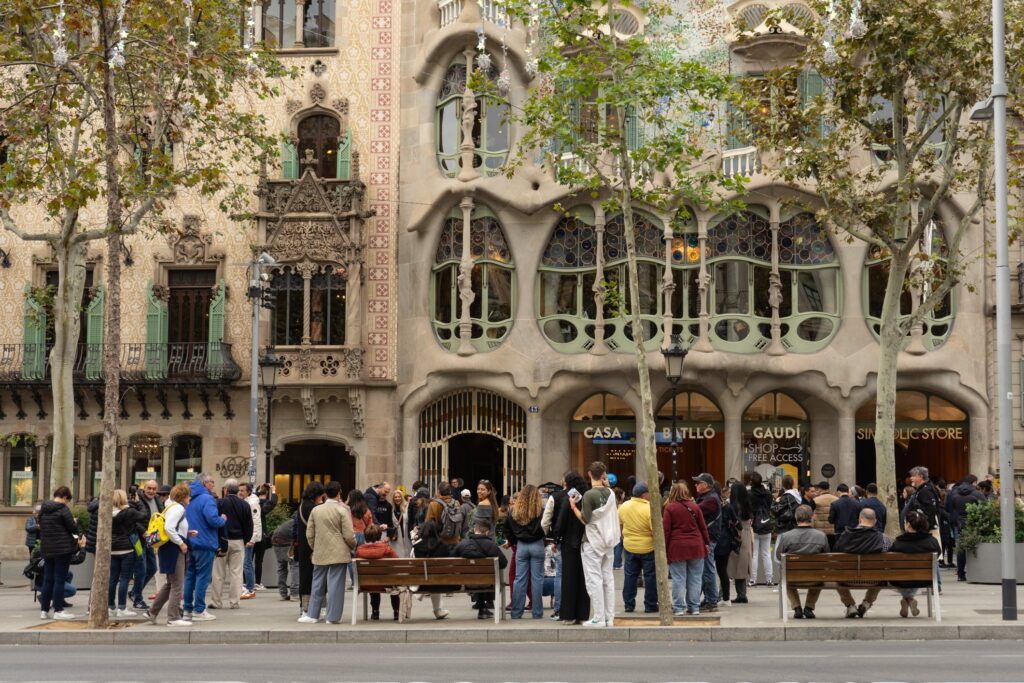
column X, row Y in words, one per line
column 784, row 512
column 453, row 521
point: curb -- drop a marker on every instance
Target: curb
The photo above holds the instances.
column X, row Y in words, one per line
column 496, row 635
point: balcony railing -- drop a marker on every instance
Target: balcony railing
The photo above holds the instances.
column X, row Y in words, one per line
column 741, row 162
column 192, row 362
column 490, row 10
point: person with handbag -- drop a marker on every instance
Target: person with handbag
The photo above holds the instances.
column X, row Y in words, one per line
column 125, row 549
column 687, row 544
column 58, row 541
column 172, row 559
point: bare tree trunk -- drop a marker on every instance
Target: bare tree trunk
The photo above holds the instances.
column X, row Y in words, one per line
column 66, row 333
column 645, row 419
column 891, row 338
column 111, row 339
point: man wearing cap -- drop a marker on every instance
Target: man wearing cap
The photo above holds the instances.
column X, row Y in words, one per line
column 638, row 544
column 711, row 505
column 467, row 512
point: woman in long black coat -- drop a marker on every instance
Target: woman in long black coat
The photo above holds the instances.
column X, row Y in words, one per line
column 568, row 532
column 311, row 497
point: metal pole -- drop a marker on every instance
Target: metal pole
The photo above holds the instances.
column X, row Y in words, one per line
column 255, row 295
column 1004, row 390
column 270, row 402
column 675, row 474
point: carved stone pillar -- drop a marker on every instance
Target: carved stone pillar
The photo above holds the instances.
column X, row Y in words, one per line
column 306, row 270
column 44, row 464
column 917, row 293
column 354, row 304
column 668, row 283
column 166, row 463
column 600, row 348
column 465, row 279
column 122, row 465
column 468, row 116
column 300, row 13
column 775, row 348
column 703, row 343
column 82, row 492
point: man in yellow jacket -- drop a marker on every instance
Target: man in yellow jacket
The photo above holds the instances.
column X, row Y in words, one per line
column 638, row 544
column 332, row 538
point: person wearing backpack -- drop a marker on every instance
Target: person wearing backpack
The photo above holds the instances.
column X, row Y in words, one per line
column 172, row 557
column 761, row 508
column 447, row 514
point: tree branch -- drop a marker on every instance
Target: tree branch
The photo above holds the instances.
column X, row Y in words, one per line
column 11, row 225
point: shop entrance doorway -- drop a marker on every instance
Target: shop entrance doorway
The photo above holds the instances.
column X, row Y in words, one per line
column 473, row 457
column 314, row 460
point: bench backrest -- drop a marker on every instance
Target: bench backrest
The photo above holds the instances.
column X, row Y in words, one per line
column 847, row 567
column 427, row 571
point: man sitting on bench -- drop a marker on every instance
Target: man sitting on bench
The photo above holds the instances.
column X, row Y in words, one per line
column 863, row 539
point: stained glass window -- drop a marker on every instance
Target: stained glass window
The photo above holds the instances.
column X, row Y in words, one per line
column 490, row 125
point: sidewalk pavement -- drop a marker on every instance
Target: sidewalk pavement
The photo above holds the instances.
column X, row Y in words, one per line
column 969, row 612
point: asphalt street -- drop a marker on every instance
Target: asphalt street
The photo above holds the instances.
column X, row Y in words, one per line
column 910, row 662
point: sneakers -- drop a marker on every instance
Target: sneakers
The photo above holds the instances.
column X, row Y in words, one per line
column 809, row 613
column 203, row 616
column 125, row 613
column 285, row 598
column 259, row 587
column 179, row 622
column 595, row 623
column 554, row 616
column 45, row 615
column 248, row 596
column 851, row 612
column 150, row 617
column 440, row 614
column 186, row 616
column 798, row 613
column 863, row 609
column 63, row 615
column 233, row 605
column 140, row 605
column 306, row 619
column 904, row 608
column 913, row 606
column 708, row 607
column 693, row 612
column 739, row 601
column 679, row 613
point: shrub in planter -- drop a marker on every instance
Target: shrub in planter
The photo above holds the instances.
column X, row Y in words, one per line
column 276, row 517
column 81, row 514
column 982, row 525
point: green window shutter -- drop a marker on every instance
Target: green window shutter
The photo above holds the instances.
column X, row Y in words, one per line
column 345, row 157
column 289, row 160
column 634, row 130
column 737, row 132
column 94, row 336
column 34, row 358
column 156, row 336
column 811, row 85
column 214, row 348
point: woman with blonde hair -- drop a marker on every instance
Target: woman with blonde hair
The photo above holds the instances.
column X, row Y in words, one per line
column 686, row 540
column 171, row 558
column 523, row 529
column 124, row 536
column 399, row 531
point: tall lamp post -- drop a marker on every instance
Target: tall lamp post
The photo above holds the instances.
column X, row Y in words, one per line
column 269, row 365
column 674, row 355
column 257, row 296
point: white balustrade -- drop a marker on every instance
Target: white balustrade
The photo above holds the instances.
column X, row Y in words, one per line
column 741, row 162
column 490, row 10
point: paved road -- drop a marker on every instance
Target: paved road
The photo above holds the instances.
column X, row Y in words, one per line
column 910, row 662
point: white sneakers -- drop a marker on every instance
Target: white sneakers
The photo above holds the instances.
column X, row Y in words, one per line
column 45, row 615
column 63, row 616
column 179, row 622
column 595, row 623
column 203, row 616
column 306, row 619
column 440, row 613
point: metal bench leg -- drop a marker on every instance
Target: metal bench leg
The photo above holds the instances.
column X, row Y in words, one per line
column 355, row 596
column 366, row 606
column 783, row 595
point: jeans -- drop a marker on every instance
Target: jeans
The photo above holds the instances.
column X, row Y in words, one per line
column 961, row 558
column 597, row 573
column 145, row 569
column 55, row 569
column 197, row 579
column 634, row 564
column 287, row 572
column 329, row 578
column 617, row 564
column 529, row 567
column 558, row 579
column 710, row 579
column 762, row 557
column 249, row 570
column 686, row 583
column 121, row 569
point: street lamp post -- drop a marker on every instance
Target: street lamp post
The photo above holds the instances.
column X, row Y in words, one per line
column 269, row 365
column 255, row 293
column 674, row 355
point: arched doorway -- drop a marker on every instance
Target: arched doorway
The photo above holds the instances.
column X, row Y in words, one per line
column 776, row 436
column 700, row 437
column 930, row 431
column 493, row 426
column 312, row 460
column 604, row 428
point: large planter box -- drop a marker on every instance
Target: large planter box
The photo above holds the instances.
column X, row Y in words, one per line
column 985, row 565
column 83, row 572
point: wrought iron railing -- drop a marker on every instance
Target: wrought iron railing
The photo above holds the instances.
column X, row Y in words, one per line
column 194, row 362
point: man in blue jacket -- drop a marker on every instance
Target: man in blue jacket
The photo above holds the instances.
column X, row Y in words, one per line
column 203, row 521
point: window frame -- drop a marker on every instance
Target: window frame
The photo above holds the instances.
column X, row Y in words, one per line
column 481, row 151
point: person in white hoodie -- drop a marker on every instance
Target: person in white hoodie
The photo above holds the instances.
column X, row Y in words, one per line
column 597, row 511
column 171, row 559
column 246, row 493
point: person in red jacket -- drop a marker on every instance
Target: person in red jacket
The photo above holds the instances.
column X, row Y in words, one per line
column 376, row 548
column 687, row 542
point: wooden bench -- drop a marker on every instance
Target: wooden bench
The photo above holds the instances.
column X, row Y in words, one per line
column 454, row 574
column 839, row 570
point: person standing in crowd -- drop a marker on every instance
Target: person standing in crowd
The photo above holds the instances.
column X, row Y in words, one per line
column 823, row 500
column 962, row 495
column 597, row 511
column 915, row 539
column 784, row 507
column 742, row 541
column 332, row 538
column 567, row 531
column 172, row 559
column 148, row 503
column 311, row 497
column 986, row 489
column 874, row 503
column 377, row 547
column 925, row 498
column 287, row 567
column 844, row 511
column 202, row 517
column 638, row 544
column 479, row 544
column 486, row 509
column 238, row 530
column 620, row 498
column 398, row 530
column 58, row 542
column 249, row 496
column 32, row 529
column 267, row 494
column 863, row 539
column 761, row 509
column 523, row 530
column 710, row 505
column 428, row 543
column 804, row 539
column 377, row 502
column 124, row 529
column 687, row 542
column 447, row 514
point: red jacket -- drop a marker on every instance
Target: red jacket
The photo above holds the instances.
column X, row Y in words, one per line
column 686, row 535
column 375, row 551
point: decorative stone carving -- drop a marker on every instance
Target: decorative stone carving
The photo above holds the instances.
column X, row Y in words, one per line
column 340, row 105
column 318, row 68
column 161, row 293
column 305, row 362
column 310, row 239
column 309, row 162
column 356, row 402
column 329, row 365
column 353, row 357
column 190, row 247
column 317, row 94
column 293, row 106
column 309, row 406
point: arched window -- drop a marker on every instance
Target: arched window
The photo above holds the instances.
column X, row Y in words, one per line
column 279, row 23
column 809, row 272
column 490, row 125
column 145, row 458
column 320, row 135
column 492, row 281
column 937, row 325
column 186, row 457
column 566, row 306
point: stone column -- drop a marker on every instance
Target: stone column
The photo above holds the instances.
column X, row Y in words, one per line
column 846, row 446
column 465, row 280
column 166, row 463
column 534, row 447
column 306, row 269
column 300, row 15
column 44, row 463
column 122, row 464
column 600, row 348
column 354, row 304
column 733, row 423
column 82, row 491
column 466, row 149
column 668, row 284
column 775, row 348
column 703, row 343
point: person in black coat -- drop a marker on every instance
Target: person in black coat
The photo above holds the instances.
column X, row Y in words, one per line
column 917, row 539
column 567, row 531
column 925, row 497
column 480, row 544
column 58, row 537
column 124, row 529
column 863, row 539
column 844, row 512
column 311, row 497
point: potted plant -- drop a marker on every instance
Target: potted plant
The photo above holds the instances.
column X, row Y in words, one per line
column 275, row 518
column 980, row 539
